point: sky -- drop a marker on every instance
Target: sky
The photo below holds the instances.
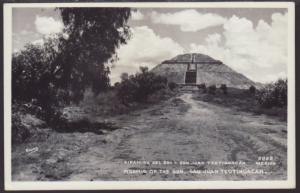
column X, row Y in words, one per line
column 251, row 41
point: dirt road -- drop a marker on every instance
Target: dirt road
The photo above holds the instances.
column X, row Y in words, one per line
column 189, row 139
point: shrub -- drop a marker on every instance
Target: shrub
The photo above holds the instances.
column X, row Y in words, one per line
column 224, row 88
column 273, row 94
column 159, row 95
column 32, row 108
column 124, row 76
column 202, row 87
column 19, row 131
column 138, row 87
column 116, row 85
column 252, row 89
column 212, row 89
column 37, row 80
column 33, row 74
column 172, row 85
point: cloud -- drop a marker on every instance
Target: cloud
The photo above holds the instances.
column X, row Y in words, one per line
column 47, row 25
column 144, row 49
column 213, row 39
column 258, row 52
column 188, row 20
column 137, row 15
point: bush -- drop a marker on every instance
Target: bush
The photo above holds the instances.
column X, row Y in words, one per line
column 26, row 126
column 124, row 76
column 202, row 87
column 138, row 87
column 273, row 95
column 44, row 73
column 252, row 89
column 212, row 89
column 37, row 81
column 172, row 85
column 159, row 95
column 224, row 88
column 116, row 85
column 19, row 131
column 32, row 73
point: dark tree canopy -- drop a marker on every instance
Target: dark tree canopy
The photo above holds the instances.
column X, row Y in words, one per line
column 67, row 63
column 34, row 71
column 94, row 34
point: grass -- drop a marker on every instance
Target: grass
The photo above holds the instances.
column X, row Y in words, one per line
column 241, row 100
column 108, row 104
column 27, row 127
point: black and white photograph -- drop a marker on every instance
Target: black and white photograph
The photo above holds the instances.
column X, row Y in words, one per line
column 179, row 94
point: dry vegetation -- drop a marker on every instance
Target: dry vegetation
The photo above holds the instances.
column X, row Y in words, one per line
column 246, row 100
column 28, row 124
column 176, row 129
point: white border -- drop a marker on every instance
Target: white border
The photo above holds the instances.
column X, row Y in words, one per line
column 123, row 185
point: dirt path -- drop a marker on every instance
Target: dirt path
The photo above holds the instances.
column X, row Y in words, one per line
column 192, row 140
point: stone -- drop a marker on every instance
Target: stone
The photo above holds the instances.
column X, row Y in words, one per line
column 195, row 69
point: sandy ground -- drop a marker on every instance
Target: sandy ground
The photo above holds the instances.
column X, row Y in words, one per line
column 180, row 139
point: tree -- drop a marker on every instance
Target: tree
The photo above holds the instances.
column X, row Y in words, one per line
column 34, row 71
column 138, row 87
column 252, row 90
column 223, row 87
column 94, row 34
column 273, row 94
column 59, row 70
column 124, row 76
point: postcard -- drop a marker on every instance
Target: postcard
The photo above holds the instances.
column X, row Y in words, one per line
column 149, row 95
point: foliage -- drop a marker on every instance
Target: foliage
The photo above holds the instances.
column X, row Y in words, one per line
column 116, row 85
column 71, row 61
column 240, row 100
column 106, row 103
column 160, row 95
column 172, row 85
column 65, row 65
column 252, row 89
column 273, row 94
column 223, row 87
column 19, row 131
column 25, row 122
column 57, row 72
column 138, row 87
column 94, row 34
column 33, row 72
column 212, row 89
column 202, row 87
column 124, row 76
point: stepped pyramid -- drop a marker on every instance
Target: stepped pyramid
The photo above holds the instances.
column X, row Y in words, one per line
column 195, row 68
